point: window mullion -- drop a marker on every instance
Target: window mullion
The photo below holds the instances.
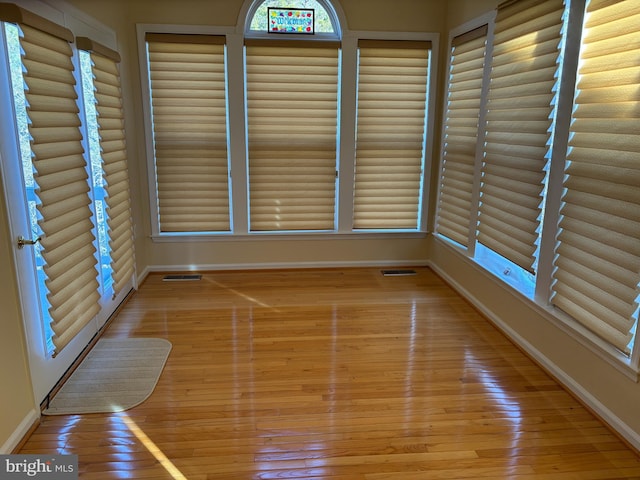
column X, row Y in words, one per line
column 482, row 124
column 427, row 139
column 347, row 128
column 237, row 135
column 148, row 128
column 635, row 354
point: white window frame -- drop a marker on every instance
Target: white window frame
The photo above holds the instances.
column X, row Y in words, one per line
column 539, row 298
column 236, row 111
column 141, row 30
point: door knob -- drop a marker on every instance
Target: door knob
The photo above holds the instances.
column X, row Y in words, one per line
column 23, row 241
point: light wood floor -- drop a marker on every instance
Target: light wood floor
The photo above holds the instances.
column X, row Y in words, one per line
column 334, row 374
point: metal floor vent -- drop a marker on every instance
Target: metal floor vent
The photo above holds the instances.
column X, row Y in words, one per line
column 181, row 278
column 398, row 273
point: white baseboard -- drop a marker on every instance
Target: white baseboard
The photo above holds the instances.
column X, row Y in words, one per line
column 565, row 379
column 141, row 276
column 279, row 265
column 18, row 434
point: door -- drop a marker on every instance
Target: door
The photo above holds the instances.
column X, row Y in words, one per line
column 17, row 174
column 46, row 365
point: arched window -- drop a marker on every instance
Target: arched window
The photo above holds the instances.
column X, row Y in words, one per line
column 326, row 22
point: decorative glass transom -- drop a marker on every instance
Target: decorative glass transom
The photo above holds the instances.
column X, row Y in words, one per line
column 261, row 16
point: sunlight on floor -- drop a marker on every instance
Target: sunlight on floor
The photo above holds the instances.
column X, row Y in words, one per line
column 152, row 447
column 240, row 294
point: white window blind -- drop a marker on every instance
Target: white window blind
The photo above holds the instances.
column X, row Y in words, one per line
column 188, row 97
column 110, row 118
column 392, row 99
column 521, row 90
column 60, row 174
column 292, row 112
column 597, row 267
column 455, row 203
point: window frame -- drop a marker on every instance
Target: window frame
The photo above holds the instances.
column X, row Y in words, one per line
column 121, row 270
column 166, row 134
column 335, row 16
column 237, row 145
column 539, row 298
column 473, row 26
column 269, row 205
column 142, row 30
column 369, row 44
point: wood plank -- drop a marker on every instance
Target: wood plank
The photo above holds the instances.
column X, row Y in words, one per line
column 333, row 374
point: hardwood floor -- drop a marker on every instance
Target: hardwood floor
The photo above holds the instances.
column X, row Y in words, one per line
column 333, row 374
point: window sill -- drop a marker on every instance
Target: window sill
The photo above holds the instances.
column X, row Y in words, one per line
column 287, row 236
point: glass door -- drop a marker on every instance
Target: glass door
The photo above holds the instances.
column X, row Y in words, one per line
column 21, row 198
column 47, row 362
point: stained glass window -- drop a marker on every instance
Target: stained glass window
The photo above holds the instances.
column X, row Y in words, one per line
column 291, row 20
column 323, row 23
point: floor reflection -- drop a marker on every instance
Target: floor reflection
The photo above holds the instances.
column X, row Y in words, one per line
column 150, row 446
column 507, row 405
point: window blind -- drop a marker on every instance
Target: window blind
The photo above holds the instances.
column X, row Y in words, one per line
column 461, row 135
column 521, row 90
column 392, row 100
column 60, row 174
column 110, row 118
column 292, row 110
column 597, row 267
column 188, row 98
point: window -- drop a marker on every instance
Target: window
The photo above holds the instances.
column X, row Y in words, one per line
column 96, row 178
column 521, row 89
column 59, row 171
column 551, row 192
column 455, row 218
column 108, row 156
column 287, row 106
column 597, row 268
column 189, row 112
column 292, row 119
column 12, row 39
column 325, row 19
column 391, row 132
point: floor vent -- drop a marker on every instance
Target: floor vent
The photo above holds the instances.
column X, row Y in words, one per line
column 181, row 278
column 397, row 273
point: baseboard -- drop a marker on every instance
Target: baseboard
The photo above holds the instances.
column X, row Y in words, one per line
column 274, row 266
column 613, row 421
column 140, row 277
column 279, row 265
column 19, row 434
